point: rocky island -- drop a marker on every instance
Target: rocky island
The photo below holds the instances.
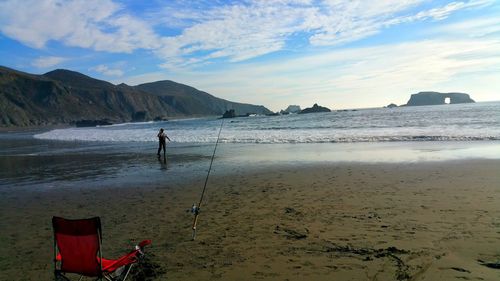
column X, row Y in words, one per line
column 436, row 98
column 315, row 109
column 291, row 109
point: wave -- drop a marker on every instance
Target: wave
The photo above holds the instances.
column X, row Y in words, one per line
column 129, row 123
column 208, row 135
column 448, row 123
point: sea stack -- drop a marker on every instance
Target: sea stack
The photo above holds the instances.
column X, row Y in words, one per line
column 229, row 114
column 315, row 109
column 292, row 109
column 436, row 98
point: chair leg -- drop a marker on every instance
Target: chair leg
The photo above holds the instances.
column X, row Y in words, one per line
column 128, row 271
column 60, row 277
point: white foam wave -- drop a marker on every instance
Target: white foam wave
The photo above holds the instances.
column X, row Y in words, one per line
column 448, row 123
column 208, row 135
column 128, row 123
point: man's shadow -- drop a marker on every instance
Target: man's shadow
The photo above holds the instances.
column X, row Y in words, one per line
column 163, row 162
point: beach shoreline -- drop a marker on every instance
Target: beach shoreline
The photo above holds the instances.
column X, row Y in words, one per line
column 323, row 221
column 30, row 163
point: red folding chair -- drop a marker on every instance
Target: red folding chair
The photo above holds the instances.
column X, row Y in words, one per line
column 77, row 249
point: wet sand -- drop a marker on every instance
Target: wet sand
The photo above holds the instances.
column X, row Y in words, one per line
column 323, row 221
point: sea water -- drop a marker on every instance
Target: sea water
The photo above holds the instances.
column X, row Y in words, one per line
column 460, row 122
column 125, row 154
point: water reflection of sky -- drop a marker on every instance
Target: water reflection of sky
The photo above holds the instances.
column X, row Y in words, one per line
column 27, row 162
column 392, row 152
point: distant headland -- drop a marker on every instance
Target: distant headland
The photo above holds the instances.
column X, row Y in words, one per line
column 435, row 98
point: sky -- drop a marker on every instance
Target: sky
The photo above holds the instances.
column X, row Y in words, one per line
column 339, row 54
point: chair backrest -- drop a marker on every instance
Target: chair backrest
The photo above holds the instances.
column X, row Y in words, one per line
column 78, row 242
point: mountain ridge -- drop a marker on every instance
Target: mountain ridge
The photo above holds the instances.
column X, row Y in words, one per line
column 177, row 94
column 65, row 97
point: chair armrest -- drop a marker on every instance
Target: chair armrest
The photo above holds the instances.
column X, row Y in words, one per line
column 144, row 243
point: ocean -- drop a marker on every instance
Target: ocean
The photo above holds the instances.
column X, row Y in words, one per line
column 461, row 122
column 125, row 154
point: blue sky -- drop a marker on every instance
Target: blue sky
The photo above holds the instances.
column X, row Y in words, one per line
column 340, row 54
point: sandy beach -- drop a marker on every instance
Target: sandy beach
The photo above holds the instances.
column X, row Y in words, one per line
column 340, row 140
column 324, row 221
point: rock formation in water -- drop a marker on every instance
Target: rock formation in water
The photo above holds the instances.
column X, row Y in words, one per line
column 392, row 105
column 315, row 109
column 435, row 98
column 229, row 114
column 292, row 109
column 92, row 123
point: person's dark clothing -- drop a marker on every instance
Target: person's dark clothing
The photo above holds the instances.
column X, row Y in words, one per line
column 162, row 142
column 162, row 145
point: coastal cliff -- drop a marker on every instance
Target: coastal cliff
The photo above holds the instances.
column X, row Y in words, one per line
column 190, row 101
column 68, row 97
column 436, row 98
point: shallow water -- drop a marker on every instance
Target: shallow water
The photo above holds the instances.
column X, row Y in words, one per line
column 125, row 154
column 33, row 163
column 29, row 162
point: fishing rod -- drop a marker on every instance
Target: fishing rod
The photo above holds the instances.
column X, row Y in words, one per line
column 195, row 209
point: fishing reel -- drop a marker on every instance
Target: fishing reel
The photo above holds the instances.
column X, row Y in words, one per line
column 195, row 210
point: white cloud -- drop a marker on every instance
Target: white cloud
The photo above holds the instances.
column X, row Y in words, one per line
column 469, row 28
column 234, row 31
column 46, row 62
column 442, row 12
column 237, row 32
column 344, row 21
column 103, row 69
column 250, row 29
column 95, row 24
column 359, row 77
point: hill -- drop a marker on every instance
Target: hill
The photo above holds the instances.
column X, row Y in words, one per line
column 188, row 100
column 65, row 97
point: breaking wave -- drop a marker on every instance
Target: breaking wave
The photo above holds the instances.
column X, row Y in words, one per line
column 471, row 122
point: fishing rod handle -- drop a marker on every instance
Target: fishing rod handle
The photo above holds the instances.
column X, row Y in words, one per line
column 195, row 221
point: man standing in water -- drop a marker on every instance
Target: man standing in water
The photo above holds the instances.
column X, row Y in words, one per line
column 161, row 139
